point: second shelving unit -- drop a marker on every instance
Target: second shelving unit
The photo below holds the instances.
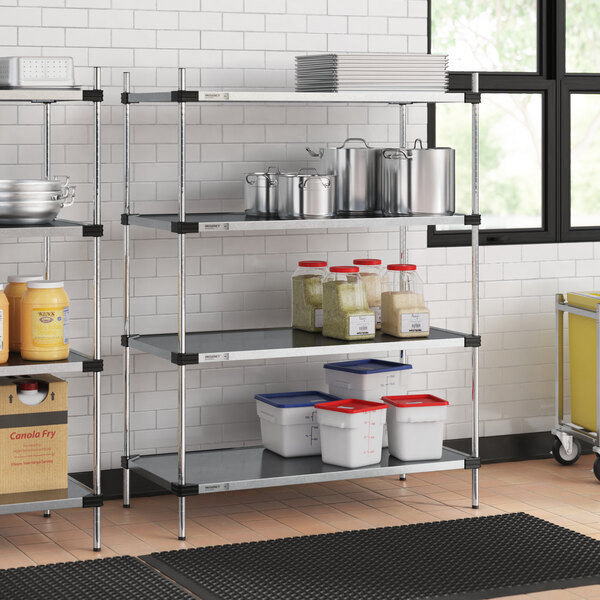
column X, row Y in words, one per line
column 190, row 473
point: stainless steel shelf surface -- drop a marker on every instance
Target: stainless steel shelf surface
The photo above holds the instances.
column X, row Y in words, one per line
column 59, row 227
column 45, row 500
column 231, row 221
column 256, row 467
column 285, row 97
column 17, row 366
column 41, row 95
column 283, row 342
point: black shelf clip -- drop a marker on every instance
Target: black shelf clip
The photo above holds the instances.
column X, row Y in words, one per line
column 125, row 98
column 472, row 462
column 125, row 341
column 184, row 227
column 124, row 219
column 92, row 501
column 472, row 341
column 187, row 489
column 473, row 97
column 181, row 359
column 89, row 230
column 184, row 96
column 93, row 95
column 473, row 219
column 93, row 366
column 126, row 460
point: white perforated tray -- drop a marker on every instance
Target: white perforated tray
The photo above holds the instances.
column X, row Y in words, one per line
column 36, row 71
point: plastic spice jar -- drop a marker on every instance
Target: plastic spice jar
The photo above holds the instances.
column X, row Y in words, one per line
column 307, row 295
column 45, row 321
column 374, row 278
column 17, row 284
column 4, row 326
column 346, row 314
column 403, row 310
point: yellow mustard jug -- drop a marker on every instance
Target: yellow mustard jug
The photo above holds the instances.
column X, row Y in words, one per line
column 45, row 321
column 17, row 284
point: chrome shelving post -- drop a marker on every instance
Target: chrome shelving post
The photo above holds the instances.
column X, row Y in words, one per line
column 475, row 284
column 181, row 309
column 126, row 299
column 47, row 162
column 97, row 220
column 402, row 144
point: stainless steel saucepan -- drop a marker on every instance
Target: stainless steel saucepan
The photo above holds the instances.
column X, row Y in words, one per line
column 261, row 192
column 355, row 165
column 306, row 194
column 395, row 182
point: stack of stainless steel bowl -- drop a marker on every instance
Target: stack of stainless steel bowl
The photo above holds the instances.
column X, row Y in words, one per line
column 33, row 201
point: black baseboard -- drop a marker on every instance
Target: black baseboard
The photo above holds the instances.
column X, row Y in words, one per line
column 494, row 449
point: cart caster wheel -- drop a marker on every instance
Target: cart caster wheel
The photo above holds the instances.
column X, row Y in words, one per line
column 597, row 467
column 561, row 456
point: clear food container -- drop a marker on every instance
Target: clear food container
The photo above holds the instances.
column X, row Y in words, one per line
column 346, row 313
column 403, row 310
column 307, row 295
column 374, row 278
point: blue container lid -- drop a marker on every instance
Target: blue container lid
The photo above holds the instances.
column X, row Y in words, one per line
column 367, row 366
column 295, row 399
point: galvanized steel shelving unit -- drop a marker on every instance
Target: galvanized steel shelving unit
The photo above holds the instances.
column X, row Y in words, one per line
column 77, row 494
column 190, row 473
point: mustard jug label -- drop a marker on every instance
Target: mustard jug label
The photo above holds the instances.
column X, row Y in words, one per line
column 49, row 326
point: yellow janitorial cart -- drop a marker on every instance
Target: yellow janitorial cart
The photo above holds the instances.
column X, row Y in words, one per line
column 583, row 309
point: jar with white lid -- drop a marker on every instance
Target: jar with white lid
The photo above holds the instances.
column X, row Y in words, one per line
column 45, row 321
column 403, row 310
column 17, row 285
column 4, row 326
column 374, row 278
column 346, row 313
column 307, row 295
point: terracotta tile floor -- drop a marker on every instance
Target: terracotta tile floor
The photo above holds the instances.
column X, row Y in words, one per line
column 567, row 496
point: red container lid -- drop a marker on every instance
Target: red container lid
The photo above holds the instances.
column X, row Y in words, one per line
column 344, row 269
column 312, row 263
column 351, row 406
column 415, row 400
column 402, row 267
column 28, row 386
column 366, row 261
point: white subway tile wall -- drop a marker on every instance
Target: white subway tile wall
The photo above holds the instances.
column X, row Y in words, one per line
column 243, row 280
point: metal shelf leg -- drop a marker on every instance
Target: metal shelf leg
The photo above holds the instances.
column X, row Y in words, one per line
column 181, row 477
column 475, row 290
column 127, row 299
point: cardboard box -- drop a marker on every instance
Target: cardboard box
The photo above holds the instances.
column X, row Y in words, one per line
column 33, row 439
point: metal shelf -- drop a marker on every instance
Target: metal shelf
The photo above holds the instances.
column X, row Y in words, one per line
column 73, row 497
column 76, row 363
column 255, row 467
column 291, row 97
column 283, row 342
column 59, row 227
column 234, row 221
column 42, row 95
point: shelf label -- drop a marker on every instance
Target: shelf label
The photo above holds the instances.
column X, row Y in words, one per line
column 214, row 226
column 216, row 357
column 214, row 95
column 215, row 487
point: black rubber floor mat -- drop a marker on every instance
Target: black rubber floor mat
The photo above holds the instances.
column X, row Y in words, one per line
column 119, row 578
column 485, row 557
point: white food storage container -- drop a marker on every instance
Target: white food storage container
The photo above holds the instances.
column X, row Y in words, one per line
column 368, row 379
column 351, row 432
column 416, row 426
column 288, row 422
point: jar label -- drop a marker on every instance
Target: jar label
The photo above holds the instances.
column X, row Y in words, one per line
column 377, row 311
column 49, row 327
column 414, row 322
column 318, row 317
column 361, row 325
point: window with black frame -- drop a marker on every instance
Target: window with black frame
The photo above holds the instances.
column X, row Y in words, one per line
column 540, row 116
